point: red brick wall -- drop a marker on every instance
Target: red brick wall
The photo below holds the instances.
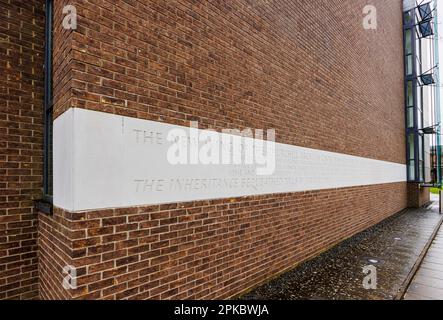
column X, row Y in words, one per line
column 204, row 249
column 418, row 197
column 21, row 121
column 297, row 68
column 310, row 70
column 54, row 239
column 62, row 58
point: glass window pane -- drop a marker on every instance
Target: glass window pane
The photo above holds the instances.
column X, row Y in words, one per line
column 421, row 168
column 411, row 170
column 409, row 17
column 411, row 146
column 419, row 119
column 410, row 117
column 410, row 94
column 408, row 41
column 419, row 95
column 420, row 148
column 409, row 65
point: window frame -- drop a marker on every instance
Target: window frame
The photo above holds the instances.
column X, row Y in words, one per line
column 45, row 205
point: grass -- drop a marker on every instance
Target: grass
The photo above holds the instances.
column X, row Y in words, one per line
column 435, row 190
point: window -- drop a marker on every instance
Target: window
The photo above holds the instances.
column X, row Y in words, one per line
column 417, row 26
column 408, row 51
column 408, row 41
column 411, row 170
column 425, row 11
column 408, row 17
column 420, row 148
column 410, row 94
column 427, row 79
column 411, row 156
column 410, row 117
column 425, row 29
column 409, row 65
column 419, row 98
column 411, row 146
column 412, row 97
column 419, row 119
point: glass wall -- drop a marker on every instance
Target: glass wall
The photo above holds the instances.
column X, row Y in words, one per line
column 415, row 96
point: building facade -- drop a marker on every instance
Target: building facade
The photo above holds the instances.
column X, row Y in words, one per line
column 94, row 95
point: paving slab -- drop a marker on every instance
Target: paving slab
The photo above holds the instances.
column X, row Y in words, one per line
column 413, row 296
column 428, row 280
column 437, row 274
column 393, row 247
column 425, row 290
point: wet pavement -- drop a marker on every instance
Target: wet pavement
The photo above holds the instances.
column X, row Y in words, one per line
column 427, row 283
column 392, row 246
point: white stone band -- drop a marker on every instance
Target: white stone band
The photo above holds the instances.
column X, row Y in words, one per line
column 103, row 160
